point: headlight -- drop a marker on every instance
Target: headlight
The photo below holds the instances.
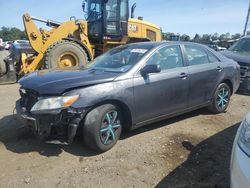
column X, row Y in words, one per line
column 244, row 137
column 53, row 104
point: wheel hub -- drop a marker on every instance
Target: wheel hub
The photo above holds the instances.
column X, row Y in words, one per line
column 110, row 125
column 223, row 98
column 67, row 59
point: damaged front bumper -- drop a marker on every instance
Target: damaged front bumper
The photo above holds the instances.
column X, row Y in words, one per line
column 58, row 128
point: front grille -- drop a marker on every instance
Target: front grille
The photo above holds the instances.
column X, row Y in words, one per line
column 28, row 98
column 244, row 71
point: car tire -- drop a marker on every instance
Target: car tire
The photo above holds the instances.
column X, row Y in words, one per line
column 102, row 127
column 221, row 99
column 3, row 68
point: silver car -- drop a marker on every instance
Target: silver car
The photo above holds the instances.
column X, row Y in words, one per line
column 240, row 160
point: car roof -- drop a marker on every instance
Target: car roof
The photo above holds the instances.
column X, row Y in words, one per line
column 156, row 44
column 145, row 44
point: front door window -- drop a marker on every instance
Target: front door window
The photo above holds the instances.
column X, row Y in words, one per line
column 168, row 57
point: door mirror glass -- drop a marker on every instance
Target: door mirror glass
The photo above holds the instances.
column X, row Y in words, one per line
column 153, row 68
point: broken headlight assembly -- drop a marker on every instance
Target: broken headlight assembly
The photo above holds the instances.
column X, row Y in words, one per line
column 244, row 137
column 53, row 105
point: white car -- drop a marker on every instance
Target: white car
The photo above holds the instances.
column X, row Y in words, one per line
column 21, row 42
column 221, row 48
column 8, row 45
column 240, row 160
column 1, row 44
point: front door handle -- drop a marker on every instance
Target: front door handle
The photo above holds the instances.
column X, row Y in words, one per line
column 183, row 75
column 219, row 69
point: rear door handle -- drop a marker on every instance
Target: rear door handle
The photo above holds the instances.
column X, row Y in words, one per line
column 183, row 75
column 219, row 69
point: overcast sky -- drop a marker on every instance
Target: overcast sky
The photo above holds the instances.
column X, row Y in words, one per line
column 179, row 16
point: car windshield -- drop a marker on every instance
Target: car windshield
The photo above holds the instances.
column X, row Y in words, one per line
column 120, row 59
column 243, row 45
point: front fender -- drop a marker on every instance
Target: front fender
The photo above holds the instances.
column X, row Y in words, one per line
column 92, row 96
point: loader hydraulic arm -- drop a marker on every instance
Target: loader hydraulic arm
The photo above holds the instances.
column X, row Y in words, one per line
column 33, row 33
column 49, row 23
column 41, row 39
column 38, row 37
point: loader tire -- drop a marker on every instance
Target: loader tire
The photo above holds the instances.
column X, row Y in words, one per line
column 65, row 55
column 3, row 68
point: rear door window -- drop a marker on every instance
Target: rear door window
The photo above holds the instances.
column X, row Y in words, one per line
column 196, row 55
column 212, row 58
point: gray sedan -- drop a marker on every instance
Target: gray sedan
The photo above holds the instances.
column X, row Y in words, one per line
column 125, row 88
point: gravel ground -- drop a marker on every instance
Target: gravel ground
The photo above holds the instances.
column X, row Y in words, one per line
column 192, row 150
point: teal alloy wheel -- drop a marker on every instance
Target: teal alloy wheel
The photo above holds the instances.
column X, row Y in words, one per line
column 109, row 129
column 103, row 127
column 223, row 98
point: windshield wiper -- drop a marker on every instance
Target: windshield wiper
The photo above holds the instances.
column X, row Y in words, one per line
column 113, row 71
column 105, row 70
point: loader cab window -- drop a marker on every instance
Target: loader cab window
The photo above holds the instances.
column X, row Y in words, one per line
column 124, row 15
column 116, row 17
column 124, row 10
column 94, row 10
column 111, row 10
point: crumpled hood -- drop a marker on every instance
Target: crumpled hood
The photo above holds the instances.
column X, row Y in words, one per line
column 56, row 82
column 242, row 58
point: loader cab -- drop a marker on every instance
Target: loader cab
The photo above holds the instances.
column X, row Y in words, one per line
column 107, row 19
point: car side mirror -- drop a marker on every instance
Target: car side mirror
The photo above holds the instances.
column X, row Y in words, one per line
column 150, row 69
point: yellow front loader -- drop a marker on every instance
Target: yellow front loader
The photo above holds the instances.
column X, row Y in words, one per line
column 73, row 43
column 63, row 46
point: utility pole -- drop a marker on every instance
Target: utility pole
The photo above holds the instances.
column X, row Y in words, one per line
column 247, row 21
